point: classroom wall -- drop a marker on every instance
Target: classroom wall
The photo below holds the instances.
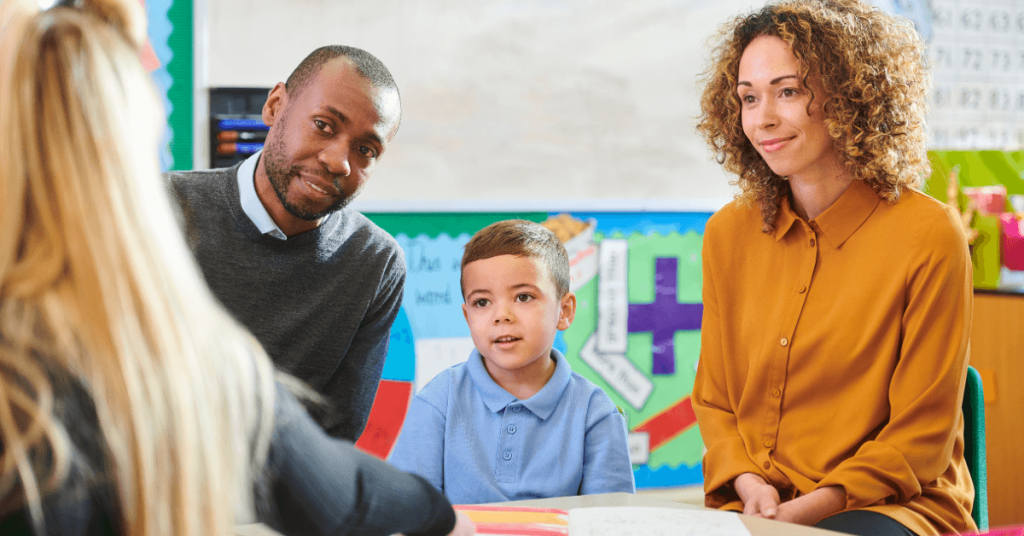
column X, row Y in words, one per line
column 503, row 100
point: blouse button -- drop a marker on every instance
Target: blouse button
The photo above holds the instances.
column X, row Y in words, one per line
column 507, row 456
column 517, row 409
column 802, row 289
column 784, row 341
column 767, row 443
column 767, row 465
column 776, row 393
column 812, row 242
column 511, row 428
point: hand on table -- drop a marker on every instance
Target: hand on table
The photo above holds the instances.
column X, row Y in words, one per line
column 760, row 499
column 813, row 507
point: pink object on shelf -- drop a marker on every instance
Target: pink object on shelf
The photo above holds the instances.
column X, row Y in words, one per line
column 990, row 200
column 1012, row 233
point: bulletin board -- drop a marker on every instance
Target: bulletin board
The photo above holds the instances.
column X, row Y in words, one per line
column 168, row 57
column 637, row 277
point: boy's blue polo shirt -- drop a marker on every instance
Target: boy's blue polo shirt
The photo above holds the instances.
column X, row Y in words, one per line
column 478, row 443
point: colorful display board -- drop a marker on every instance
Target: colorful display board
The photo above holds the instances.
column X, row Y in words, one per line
column 169, row 59
column 637, row 277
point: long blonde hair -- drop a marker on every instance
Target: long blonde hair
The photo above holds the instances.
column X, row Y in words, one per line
column 96, row 282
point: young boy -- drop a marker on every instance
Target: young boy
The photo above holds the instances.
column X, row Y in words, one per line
column 514, row 421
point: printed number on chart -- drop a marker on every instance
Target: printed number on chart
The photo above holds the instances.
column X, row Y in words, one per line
column 970, row 98
column 942, row 17
column 944, row 58
column 967, row 137
column 973, row 58
column 999, row 100
column 970, row 20
column 999, row 21
column 1001, row 60
column 942, row 97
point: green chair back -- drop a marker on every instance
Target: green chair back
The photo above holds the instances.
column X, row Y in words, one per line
column 974, row 445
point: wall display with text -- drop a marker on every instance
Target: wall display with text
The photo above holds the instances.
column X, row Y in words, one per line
column 976, row 51
column 637, row 277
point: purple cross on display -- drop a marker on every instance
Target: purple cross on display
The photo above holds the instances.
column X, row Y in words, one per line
column 665, row 316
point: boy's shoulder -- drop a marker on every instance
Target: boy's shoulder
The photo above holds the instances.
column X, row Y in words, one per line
column 439, row 387
column 590, row 388
column 582, row 394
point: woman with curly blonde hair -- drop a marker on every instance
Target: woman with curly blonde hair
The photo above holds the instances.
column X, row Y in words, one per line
column 837, row 296
column 130, row 401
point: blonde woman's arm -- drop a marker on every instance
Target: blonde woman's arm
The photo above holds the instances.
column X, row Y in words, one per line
column 324, row 486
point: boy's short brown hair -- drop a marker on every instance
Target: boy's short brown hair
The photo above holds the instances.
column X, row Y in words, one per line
column 523, row 239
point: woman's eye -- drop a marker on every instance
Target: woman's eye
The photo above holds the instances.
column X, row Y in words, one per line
column 788, row 92
column 524, row 298
column 747, row 99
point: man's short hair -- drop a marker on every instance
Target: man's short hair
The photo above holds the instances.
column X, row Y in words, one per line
column 523, row 239
column 366, row 64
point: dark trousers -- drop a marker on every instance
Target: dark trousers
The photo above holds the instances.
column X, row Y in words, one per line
column 864, row 523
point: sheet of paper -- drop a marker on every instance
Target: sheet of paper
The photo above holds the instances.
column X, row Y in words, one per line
column 646, row 521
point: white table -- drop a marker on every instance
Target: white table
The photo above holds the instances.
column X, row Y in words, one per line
column 757, row 526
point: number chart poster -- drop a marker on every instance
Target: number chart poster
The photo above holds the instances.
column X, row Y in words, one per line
column 637, row 278
column 976, row 54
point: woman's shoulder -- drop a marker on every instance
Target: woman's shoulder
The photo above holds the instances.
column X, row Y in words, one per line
column 924, row 220
column 736, row 216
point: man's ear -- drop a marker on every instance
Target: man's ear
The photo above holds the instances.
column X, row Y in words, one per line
column 277, row 99
column 567, row 311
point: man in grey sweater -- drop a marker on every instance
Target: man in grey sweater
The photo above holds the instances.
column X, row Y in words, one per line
column 317, row 283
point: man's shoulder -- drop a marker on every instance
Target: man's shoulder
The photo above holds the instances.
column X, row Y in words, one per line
column 360, row 232
column 201, row 176
column 356, row 223
column 188, row 186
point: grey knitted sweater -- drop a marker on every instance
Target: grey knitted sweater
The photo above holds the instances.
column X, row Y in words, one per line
column 321, row 303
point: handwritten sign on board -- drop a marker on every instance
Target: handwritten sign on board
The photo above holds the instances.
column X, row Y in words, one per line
column 612, row 298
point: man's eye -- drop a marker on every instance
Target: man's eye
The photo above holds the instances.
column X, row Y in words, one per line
column 480, row 303
column 367, row 151
column 524, row 297
column 321, row 125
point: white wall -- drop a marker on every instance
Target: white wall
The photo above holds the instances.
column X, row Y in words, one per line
column 505, row 100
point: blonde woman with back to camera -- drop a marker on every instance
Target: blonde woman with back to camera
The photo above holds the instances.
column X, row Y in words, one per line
column 837, row 296
column 130, row 402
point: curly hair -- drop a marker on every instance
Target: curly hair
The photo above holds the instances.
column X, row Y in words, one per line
column 874, row 75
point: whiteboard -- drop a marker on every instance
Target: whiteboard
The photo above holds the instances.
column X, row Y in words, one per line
column 508, row 101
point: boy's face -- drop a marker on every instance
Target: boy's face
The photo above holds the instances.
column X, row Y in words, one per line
column 513, row 313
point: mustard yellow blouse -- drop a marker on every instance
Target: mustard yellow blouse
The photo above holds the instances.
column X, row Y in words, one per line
column 834, row 352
